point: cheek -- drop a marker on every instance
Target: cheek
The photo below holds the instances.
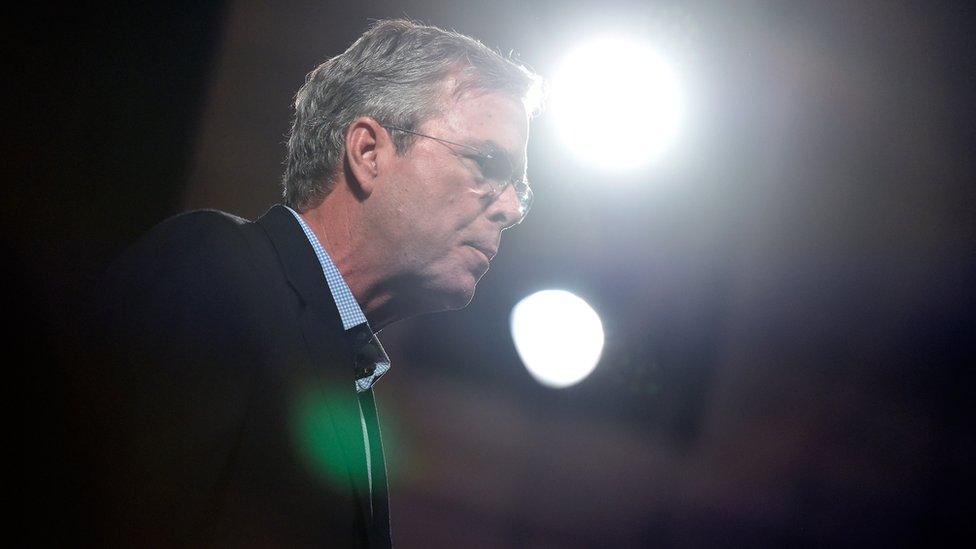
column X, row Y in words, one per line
column 437, row 207
column 448, row 209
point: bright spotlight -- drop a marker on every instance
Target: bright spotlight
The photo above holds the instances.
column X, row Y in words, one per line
column 558, row 336
column 617, row 103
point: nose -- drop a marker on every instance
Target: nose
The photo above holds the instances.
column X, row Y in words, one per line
column 505, row 209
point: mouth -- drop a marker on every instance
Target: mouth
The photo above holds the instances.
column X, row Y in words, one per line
column 488, row 252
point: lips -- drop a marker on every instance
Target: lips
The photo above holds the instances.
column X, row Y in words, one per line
column 489, row 251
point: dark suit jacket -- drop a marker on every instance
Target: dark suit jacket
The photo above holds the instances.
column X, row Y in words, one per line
column 221, row 409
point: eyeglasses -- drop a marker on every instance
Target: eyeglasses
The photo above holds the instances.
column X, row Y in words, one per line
column 496, row 172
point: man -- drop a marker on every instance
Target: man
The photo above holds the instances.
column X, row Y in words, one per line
column 232, row 404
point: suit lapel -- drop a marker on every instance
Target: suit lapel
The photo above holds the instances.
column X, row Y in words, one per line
column 331, row 353
column 380, row 528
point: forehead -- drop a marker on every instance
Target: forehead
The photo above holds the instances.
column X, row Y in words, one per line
column 484, row 119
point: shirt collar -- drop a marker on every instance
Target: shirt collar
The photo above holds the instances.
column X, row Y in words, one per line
column 371, row 359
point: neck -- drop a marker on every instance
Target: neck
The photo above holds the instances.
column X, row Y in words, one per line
column 339, row 228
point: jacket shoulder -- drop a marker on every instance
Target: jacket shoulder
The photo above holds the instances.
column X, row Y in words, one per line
column 196, row 228
column 190, row 240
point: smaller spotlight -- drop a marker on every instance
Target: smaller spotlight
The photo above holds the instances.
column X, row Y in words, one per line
column 617, row 103
column 558, row 336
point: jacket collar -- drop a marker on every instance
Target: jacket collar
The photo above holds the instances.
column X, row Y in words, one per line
column 302, row 268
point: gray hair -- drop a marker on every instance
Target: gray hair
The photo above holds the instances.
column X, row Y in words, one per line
column 394, row 73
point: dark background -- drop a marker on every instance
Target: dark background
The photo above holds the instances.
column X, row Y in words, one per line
column 787, row 297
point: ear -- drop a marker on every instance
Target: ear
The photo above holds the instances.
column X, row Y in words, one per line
column 366, row 143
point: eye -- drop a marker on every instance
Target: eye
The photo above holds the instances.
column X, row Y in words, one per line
column 487, row 172
column 484, row 165
column 495, row 168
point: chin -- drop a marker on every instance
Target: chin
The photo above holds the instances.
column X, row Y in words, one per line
column 457, row 294
column 460, row 299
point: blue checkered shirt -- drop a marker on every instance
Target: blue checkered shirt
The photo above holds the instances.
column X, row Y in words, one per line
column 351, row 314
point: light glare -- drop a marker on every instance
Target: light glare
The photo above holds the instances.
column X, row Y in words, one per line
column 558, row 336
column 617, row 103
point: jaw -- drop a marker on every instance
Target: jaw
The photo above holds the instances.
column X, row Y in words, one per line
column 448, row 282
column 409, row 295
column 450, row 291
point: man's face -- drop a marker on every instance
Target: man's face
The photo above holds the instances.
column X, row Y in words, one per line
column 443, row 227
